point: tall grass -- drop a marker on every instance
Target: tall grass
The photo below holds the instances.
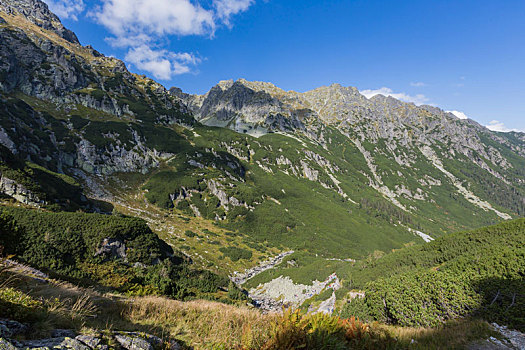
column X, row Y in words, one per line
column 204, row 324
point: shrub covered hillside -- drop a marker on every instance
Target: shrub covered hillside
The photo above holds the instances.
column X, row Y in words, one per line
column 120, row 253
column 480, row 273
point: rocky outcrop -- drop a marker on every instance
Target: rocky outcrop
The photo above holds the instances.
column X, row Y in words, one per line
column 242, row 107
column 112, row 248
column 38, row 13
column 19, row 192
column 116, row 157
column 67, row 339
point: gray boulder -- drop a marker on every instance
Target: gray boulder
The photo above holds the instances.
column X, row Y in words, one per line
column 133, row 342
column 55, row 343
column 112, row 248
column 62, row 333
column 9, row 328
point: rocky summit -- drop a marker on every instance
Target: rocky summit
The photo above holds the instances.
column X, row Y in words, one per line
column 324, row 201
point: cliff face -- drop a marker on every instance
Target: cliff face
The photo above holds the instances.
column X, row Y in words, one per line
column 17, row 191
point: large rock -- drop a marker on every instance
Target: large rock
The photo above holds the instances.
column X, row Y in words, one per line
column 112, row 248
column 133, row 342
column 91, row 341
column 9, row 328
column 19, row 192
column 55, row 343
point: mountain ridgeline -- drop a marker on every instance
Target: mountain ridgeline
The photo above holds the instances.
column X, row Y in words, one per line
column 327, row 172
column 328, row 201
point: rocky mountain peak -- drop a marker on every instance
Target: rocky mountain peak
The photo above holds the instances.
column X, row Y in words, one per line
column 225, row 84
column 38, row 13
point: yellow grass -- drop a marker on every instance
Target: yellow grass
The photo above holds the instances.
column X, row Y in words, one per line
column 204, row 324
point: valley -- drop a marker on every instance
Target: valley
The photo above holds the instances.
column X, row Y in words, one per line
column 273, row 211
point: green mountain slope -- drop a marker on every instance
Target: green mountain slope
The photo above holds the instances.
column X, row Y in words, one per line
column 478, row 272
column 327, row 173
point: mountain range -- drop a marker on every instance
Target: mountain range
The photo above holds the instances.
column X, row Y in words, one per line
column 303, row 199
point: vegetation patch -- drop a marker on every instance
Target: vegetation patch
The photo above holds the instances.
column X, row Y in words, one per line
column 478, row 273
column 235, row 253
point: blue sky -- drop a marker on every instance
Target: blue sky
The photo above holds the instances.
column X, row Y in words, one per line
column 465, row 56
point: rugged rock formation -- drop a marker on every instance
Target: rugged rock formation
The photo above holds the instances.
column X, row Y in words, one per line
column 13, row 189
column 38, row 13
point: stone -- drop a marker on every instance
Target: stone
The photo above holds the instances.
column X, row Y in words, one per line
column 62, row 333
column 55, row 343
column 90, row 340
column 9, row 328
column 516, row 338
column 131, row 342
column 6, row 345
column 112, row 248
column 19, row 192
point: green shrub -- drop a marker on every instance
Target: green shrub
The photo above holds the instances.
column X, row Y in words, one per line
column 235, row 253
column 422, row 298
column 17, row 305
column 235, row 293
column 65, row 245
column 189, row 233
column 476, row 273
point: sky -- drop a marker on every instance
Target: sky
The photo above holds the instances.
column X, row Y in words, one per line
column 460, row 55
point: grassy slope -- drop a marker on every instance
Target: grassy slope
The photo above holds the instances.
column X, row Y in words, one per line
column 197, row 324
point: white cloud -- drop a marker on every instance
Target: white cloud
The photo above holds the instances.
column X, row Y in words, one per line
column 66, row 9
column 227, row 8
column 496, row 125
column 417, row 84
column 140, row 25
column 161, row 63
column 459, row 114
column 154, row 17
column 129, row 41
column 418, row 99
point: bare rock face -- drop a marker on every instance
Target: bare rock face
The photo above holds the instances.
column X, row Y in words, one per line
column 38, row 13
column 13, row 189
column 243, row 106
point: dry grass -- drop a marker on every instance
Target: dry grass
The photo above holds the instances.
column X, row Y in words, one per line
column 204, row 324
column 209, row 325
column 451, row 335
